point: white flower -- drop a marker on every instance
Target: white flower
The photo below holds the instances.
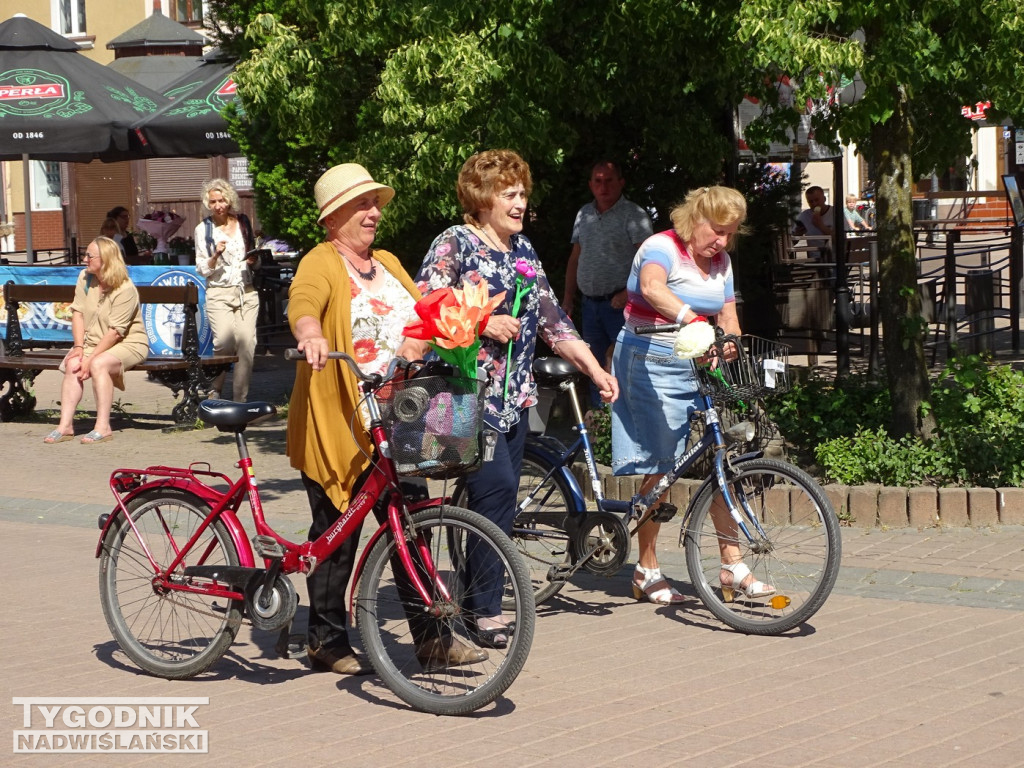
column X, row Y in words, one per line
column 693, row 340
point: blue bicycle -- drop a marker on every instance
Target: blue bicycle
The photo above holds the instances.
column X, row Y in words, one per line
column 769, row 514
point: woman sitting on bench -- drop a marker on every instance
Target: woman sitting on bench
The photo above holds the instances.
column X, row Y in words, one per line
column 109, row 339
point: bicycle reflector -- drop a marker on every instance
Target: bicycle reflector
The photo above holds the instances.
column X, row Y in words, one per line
column 779, row 602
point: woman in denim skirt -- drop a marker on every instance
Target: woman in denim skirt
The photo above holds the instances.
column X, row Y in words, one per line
column 677, row 276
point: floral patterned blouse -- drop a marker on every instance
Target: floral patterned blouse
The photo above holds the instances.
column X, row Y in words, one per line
column 377, row 322
column 456, row 256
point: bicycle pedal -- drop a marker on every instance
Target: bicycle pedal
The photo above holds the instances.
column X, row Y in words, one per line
column 267, row 547
column 290, row 646
column 664, row 512
column 559, row 573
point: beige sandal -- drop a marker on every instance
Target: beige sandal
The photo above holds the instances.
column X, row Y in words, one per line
column 655, row 588
column 740, row 572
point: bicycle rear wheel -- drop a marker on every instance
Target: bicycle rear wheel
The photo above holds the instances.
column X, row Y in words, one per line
column 395, row 628
column 169, row 633
column 798, row 554
column 539, row 529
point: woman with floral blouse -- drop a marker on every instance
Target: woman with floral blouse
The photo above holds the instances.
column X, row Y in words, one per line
column 493, row 188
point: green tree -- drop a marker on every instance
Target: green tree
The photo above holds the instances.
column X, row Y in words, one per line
column 412, row 88
column 919, row 62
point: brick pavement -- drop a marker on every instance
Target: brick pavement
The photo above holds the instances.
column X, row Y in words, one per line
column 913, row 661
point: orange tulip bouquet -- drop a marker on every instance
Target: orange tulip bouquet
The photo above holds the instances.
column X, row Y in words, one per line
column 451, row 320
column 437, row 421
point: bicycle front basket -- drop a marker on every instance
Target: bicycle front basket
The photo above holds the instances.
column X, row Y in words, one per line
column 759, row 370
column 433, row 425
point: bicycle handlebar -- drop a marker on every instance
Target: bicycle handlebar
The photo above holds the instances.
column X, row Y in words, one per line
column 659, row 328
column 374, row 378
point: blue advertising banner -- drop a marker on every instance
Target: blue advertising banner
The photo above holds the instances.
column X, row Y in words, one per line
column 164, row 322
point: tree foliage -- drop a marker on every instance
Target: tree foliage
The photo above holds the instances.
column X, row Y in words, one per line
column 412, row 88
column 918, row 64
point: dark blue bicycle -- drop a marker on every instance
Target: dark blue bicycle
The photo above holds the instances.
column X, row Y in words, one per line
column 773, row 514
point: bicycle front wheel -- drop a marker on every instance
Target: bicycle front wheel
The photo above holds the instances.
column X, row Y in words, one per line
column 797, row 549
column 432, row 661
column 175, row 634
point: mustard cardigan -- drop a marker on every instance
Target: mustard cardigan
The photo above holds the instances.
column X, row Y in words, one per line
column 320, row 441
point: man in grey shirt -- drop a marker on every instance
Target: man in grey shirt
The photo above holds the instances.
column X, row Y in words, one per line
column 605, row 238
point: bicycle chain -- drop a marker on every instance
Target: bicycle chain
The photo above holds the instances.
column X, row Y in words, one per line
column 235, row 622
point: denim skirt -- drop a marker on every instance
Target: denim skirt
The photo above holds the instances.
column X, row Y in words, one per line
column 651, row 418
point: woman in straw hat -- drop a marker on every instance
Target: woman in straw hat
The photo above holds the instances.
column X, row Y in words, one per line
column 493, row 188
column 349, row 297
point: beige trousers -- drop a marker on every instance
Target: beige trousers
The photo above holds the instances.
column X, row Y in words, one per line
column 232, row 314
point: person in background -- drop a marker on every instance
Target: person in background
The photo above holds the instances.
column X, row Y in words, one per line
column 851, row 216
column 676, row 277
column 604, row 240
column 124, row 238
column 348, row 297
column 493, row 187
column 224, row 240
column 818, row 218
column 109, row 339
column 109, row 229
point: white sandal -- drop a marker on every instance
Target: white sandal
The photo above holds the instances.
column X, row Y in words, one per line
column 666, row 595
column 739, row 572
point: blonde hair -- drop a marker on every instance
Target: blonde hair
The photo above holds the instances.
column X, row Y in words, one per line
column 224, row 187
column 718, row 205
column 113, row 273
column 487, row 174
column 109, row 224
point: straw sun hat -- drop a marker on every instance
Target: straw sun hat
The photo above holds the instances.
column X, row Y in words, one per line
column 346, row 182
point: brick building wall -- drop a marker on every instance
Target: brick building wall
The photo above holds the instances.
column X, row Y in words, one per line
column 47, row 231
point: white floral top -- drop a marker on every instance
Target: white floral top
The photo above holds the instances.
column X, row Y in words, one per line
column 377, row 322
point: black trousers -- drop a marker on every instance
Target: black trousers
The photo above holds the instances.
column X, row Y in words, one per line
column 327, row 585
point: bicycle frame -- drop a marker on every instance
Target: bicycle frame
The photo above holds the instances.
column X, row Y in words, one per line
column 712, row 439
column 127, row 484
column 560, row 458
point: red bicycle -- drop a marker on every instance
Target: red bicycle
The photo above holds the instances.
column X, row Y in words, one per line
column 178, row 574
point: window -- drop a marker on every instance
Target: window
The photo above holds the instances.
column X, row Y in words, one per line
column 69, row 16
column 45, row 185
column 186, row 10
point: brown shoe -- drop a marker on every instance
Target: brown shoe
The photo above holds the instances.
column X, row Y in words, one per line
column 439, row 652
column 328, row 660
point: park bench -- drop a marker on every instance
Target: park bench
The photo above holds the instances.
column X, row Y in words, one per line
column 188, row 373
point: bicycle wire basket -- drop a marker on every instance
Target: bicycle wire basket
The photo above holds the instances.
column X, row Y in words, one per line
column 433, row 424
column 759, row 370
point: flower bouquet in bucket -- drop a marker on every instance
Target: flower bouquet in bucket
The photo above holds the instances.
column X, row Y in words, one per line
column 436, row 420
column 161, row 225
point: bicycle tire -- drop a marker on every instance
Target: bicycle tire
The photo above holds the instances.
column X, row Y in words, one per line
column 799, row 554
column 383, row 615
column 176, row 635
column 539, row 530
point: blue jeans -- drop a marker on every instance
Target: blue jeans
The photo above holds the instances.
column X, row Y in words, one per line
column 601, row 326
column 493, row 493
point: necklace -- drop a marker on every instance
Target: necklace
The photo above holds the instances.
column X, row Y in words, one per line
column 369, row 274
column 491, row 242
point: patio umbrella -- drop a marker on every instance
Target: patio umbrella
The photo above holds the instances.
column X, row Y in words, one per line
column 193, row 125
column 56, row 104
